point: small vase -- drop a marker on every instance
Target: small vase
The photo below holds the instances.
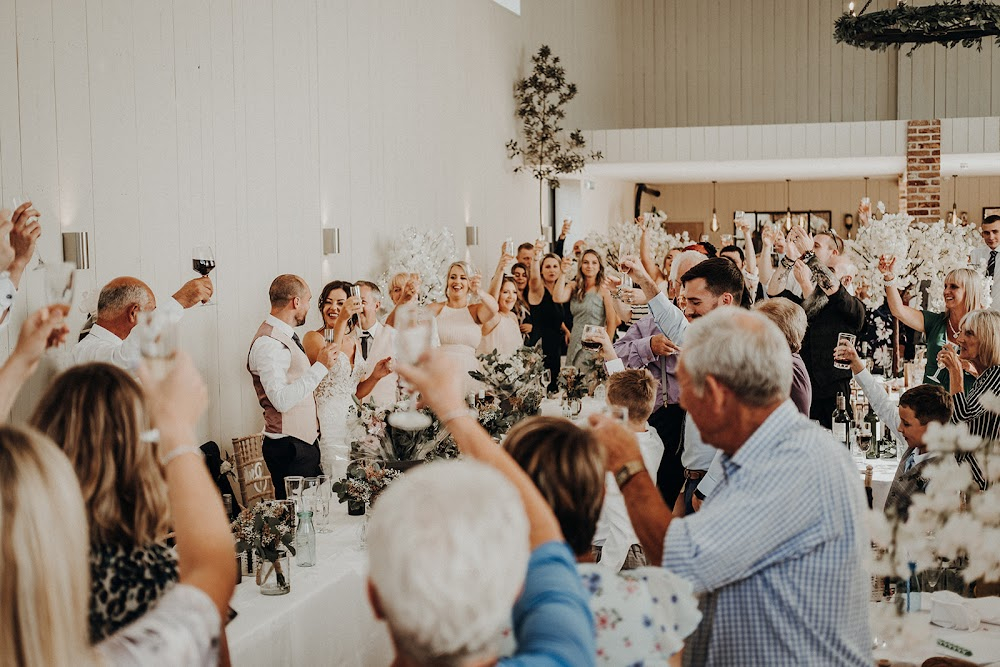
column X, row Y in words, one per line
column 355, row 508
column 275, row 577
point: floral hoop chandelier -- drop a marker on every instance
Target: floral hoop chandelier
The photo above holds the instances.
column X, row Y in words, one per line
column 949, row 23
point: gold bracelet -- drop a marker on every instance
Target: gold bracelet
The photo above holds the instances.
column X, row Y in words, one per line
column 180, row 451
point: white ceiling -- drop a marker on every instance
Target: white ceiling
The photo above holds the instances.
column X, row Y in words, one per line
column 741, row 171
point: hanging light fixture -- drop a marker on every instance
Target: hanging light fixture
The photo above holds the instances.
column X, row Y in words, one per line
column 866, row 188
column 715, row 218
column 788, row 205
column 953, row 219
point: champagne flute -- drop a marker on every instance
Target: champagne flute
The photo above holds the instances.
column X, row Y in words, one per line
column 356, row 319
column 203, row 261
column 59, row 284
column 413, row 338
column 158, row 346
column 16, row 203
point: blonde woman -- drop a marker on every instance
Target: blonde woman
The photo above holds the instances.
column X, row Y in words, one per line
column 96, row 413
column 403, row 288
column 589, row 300
column 43, row 522
column 459, row 323
column 963, row 293
column 502, row 333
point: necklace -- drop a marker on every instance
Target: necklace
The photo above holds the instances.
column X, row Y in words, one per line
column 952, row 332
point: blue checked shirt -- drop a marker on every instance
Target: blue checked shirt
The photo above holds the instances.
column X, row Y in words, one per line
column 777, row 552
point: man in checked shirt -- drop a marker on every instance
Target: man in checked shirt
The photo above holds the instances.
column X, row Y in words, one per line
column 776, row 550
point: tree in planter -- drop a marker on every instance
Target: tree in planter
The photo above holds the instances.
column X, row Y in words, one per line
column 543, row 150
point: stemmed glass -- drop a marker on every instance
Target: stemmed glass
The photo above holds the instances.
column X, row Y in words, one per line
column 413, row 338
column 59, row 284
column 940, row 367
column 16, row 203
column 203, row 261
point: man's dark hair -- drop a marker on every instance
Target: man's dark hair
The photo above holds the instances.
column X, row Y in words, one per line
column 721, row 275
column 526, row 246
column 991, row 219
column 929, row 402
column 733, row 248
column 709, row 249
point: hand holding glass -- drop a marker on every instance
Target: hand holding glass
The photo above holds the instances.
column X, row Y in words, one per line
column 413, row 338
column 844, row 338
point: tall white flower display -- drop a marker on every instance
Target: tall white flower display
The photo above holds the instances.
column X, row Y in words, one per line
column 660, row 242
column 425, row 252
column 925, row 253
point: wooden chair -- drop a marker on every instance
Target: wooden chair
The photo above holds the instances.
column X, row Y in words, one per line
column 251, row 471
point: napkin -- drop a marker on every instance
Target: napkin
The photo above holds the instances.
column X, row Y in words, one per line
column 988, row 609
column 950, row 610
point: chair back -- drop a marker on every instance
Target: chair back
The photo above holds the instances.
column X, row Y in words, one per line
column 251, row 471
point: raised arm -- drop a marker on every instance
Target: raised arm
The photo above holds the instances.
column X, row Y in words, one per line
column 487, row 307
column 646, row 255
column 204, row 540
column 563, row 290
column 611, row 319
column 911, row 317
column 496, row 282
column 765, row 270
column 438, row 380
column 536, row 286
column 41, row 330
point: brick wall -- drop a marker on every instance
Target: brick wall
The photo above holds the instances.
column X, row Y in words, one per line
column 922, row 180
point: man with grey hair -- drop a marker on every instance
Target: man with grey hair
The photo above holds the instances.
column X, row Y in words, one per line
column 111, row 339
column 776, row 550
column 376, row 342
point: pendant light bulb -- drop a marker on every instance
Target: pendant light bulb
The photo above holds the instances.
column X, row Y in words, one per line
column 715, row 218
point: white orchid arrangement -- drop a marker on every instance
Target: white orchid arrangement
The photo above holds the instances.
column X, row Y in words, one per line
column 425, row 252
column 952, row 520
column 924, row 252
column 630, row 233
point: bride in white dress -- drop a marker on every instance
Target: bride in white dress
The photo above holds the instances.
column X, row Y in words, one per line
column 335, row 394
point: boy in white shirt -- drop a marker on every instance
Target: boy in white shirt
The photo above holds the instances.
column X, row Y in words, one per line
column 616, row 545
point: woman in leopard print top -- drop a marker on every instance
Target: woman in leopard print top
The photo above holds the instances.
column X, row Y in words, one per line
column 96, row 412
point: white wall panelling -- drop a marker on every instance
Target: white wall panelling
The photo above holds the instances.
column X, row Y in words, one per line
column 251, row 125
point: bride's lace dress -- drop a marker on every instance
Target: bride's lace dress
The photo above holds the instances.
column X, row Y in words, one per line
column 336, row 411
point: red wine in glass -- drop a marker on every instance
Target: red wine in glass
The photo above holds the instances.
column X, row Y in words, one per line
column 591, row 344
column 203, row 266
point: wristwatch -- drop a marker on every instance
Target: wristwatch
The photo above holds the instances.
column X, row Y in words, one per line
column 628, row 471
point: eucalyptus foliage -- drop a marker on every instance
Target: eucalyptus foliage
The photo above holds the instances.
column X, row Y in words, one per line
column 950, row 23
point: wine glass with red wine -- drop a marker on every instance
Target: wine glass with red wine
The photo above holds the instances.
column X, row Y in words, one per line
column 203, row 261
column 591, row 337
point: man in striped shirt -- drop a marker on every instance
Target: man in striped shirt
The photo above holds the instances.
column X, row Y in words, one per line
column 777, row 549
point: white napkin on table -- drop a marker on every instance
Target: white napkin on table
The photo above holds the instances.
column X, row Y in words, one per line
column 952, row 611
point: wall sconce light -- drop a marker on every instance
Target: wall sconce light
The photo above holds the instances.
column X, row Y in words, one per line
column 471, row 235
column 331, row 241
column 76, row 249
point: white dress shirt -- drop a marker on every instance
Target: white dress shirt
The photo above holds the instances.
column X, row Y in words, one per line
column 269, row 360
column 7, row 293
column 980, row 258
column 103, row 345
column 615, row 534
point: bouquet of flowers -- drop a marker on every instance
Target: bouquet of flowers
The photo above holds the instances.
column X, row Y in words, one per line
column 572, row 384
column 628, row 232
column 266, row 529
column 924, row 252
column 515, row 385
column 426, row 253
column 373, row 438
column 364, row 482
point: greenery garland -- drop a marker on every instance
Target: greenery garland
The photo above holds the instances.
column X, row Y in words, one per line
column 949, row 23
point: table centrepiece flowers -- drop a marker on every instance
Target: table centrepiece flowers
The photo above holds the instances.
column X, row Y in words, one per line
column 362, row 484
column 514, row 388
column 268, row 530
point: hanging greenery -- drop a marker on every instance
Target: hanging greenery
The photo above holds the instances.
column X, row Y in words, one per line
column 541, row 98
column 950, row 23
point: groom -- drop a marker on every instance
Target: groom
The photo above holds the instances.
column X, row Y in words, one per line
column 284, row 381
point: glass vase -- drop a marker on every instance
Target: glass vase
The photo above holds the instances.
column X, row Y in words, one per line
column 275, row 577
column 355, row 508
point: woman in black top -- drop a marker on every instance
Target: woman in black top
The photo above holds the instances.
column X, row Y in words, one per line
column 546, row 314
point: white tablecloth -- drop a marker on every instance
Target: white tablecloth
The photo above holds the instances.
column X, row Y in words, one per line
column 552, row 407
column 883, row 471
column 326, row 618
column 984, row 642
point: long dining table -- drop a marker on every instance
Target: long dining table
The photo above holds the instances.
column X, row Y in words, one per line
column 326, row 619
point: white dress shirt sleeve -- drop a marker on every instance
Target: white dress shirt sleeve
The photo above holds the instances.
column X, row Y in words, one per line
column 613, row 366
column 712, row 477
column 880, row 402
column 668, row 318
column 270, row 360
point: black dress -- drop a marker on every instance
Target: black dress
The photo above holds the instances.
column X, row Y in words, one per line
column 546, row 322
